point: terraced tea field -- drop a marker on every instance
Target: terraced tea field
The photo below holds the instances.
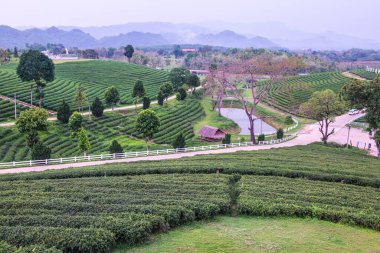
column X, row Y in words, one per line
column 289, row 93
column 7, row 110
column 365, row 74
column 94, row 76
column 175, row 117
column 94, row 209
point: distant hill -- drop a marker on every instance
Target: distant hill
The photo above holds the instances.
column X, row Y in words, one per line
column 10, row 37
column 134, row 38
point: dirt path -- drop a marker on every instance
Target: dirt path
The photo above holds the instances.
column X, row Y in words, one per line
column 307, row 135
column 351, row 75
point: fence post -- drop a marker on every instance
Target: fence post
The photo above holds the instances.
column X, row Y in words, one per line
column 45, row 161
column 14, row 163
column 75, row 159
column 61, row 159
column 30, row 162
column 101, row 156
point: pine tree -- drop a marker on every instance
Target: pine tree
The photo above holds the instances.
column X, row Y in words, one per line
column 97, row 108
column 64, row 112
column 146, row 103
column 180, row 141
column 115, row 147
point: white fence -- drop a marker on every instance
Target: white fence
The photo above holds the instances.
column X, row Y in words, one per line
column 138, row 154
column 285, row 130
column 374, row 70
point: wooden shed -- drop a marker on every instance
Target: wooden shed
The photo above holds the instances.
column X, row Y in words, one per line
column 209, row 133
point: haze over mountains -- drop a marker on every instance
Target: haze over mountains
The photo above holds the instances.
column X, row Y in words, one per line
column 264, row 35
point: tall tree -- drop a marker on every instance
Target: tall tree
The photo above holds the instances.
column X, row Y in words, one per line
column 15, row 52
column 37, row 67
column 75, row 122
column 178, row 77
column 83, row 141
column 323, row 106
column 366, row 95
column 97, row 107
column 112, row 96
column 248, row 74
column 128, row 52
column 166, row 89
column 138, row 89
column 177, row 51
column 147, row 124
column 80, row 99
column 193, row 81
column 64, row 112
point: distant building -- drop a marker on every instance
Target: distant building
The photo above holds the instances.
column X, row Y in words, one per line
column 189, row 50
column 199, row 72
column 66, row 56
column 209, row 133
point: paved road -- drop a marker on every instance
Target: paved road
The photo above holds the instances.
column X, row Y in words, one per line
column 307, row 135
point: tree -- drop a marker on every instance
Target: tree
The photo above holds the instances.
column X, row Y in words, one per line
column 128, row 52
column 15, row 52
column 178, row 77
column 146, row 103
column 323, row 106
column 80, row 99
column 177, row 51
column 181, row 95
column 37, row 67
column 280, row 134
column 97, row 108
column 193, row 81
column 64, row 112
column 115, row 147
column 4, row 56
column 246, row 72
column 75, row 122
column 366, row 95
column 32, row 138
column 226, row 139
column 138, row 89
column 40, row 151
column 83, row 141
column 160, row 98
column 179, row 142
column 147, row 124
column 166, row 89
column 112, row 96
column 32, row 120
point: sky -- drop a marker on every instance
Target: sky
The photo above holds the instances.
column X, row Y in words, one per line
column 352, row 17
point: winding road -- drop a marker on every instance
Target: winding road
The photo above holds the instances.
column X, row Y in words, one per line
column 305, row 136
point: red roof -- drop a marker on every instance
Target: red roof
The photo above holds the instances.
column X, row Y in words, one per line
column 211, row 132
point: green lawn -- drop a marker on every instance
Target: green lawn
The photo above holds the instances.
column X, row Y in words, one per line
column 257, row 234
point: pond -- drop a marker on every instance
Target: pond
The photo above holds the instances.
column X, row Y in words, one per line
column 239, row 116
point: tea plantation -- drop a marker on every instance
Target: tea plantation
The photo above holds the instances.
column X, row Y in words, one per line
column 175, row 117
column 93, row 209
column 94, row 76
column 7, row 110
column 287, row 94
column 365, row 74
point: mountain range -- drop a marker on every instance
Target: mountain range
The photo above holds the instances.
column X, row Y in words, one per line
column 149, row 34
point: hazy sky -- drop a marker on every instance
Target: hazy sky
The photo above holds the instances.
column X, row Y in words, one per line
column 355, row 17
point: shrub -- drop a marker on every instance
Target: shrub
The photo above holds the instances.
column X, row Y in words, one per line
column 289, row 120
column 261, row 137
column 181, row 94
column 97, row 108
column 146, row 103
column 180, row 141
column 75, row 122
column 115, row 147
column 226, row 139
column 64, row 112
column 32, row 138
column 280, row 134
column 40, row 151
column 160, row 98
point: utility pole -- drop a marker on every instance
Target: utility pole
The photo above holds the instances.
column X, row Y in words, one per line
column 348, row 134
column 89, row 109
column 15, row 106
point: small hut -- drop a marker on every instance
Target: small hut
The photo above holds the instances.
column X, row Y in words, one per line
column 209, row 133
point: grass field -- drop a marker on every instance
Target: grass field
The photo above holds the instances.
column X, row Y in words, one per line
column 365, row 74
column 94, row 76
column 80, row 210
column 258, row 234
column 175, row 117
column 288, row 94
